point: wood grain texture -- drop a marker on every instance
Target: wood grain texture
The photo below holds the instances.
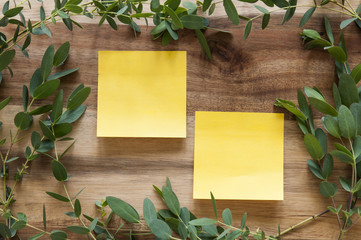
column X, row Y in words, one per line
column 244, row 76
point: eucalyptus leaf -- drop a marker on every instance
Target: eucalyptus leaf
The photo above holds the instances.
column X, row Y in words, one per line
column 58, row 197
column 6, row 58
column 328, row 189
column 78, row 98
column 47, row 62
column 313, row 146
column 160, row 229
column 231, row 11
column 78, row 229
column 61, row 54
column 306, row 16
column 149, row 211
column 45, row 90
column 59, row 170
column 344, row 157
column 346, row 122
column 123, row 209
column 315, row 169
column 227, row 216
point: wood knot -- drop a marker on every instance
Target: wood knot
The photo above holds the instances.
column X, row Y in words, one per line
column 227, row 56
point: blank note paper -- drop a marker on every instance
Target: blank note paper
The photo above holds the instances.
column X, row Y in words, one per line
column 238, row 155
column 142, row 94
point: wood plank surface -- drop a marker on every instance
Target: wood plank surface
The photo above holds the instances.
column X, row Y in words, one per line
column 244, row 76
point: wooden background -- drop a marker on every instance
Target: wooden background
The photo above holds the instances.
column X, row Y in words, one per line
column 244, row 76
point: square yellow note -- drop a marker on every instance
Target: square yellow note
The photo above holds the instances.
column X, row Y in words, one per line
column 238, row 155
column 142, row 94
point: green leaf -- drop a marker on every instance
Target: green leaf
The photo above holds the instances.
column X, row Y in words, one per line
column 46, row 131
column 46, row 89
column 357, row 187
column 214, row 205
column 59, row 170
column 174, row 17
column 93, row 224
column 71, row 116
column 203, row 222
column 322, row 139
column 227, row 216
column 348, row 90
column 44, row 217
column 290, row 106
column 346, row 184
column 37, row 236
column 47, row 62
column 247, row 29
column 36, row 81
column 356, row 145
column 231, row 11
column 315, row 169
column 185, row 215
column 77, row 208
column 261, row 9
column 73, row 8
column 35, row 140
column 281, row 3
column 41, row 110
column 123, row 209
column 265, row 20
column 329, row 31
column 311, row 34
column 62, row 129
column 202, row 40
column 160, row 229
column 346, row 22
column 322, row 106
column 25, row 98
column 78, row 98
column 22, row 121
column 19, row 225
column 13, row 12
column 328, row 189
column 337, row 53
column 155, row 6
column 78, row 229
column 4, row 102
column 58, row 235
column 57, row 107
column 206, row 4
column 211, row 9
column 343, row 157
column 346, row 122
column 61, row 54
column 327, row 166
column 171, row 32
column 302, row 102
column 171, row 200
column 62, row 74
column 6, row 58
column 336, row 96
column 313, row 146
column 356, row 112
column 192, row 21
column 58, row 196
column 45, row 146
column 306, row 16
column 356, row 73
column 5, row 231
column 149, row 211
column 331, row 126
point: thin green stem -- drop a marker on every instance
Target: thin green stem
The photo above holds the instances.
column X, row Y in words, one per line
column 338, row 216
column 72, row 206
column 235, row 228
column 303, row 222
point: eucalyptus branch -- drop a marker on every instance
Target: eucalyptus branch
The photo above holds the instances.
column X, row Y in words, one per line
column 303, row 222
column 72, row 206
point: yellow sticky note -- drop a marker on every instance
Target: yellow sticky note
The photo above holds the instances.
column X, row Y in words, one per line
column 238, row 155
column 142, row 94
